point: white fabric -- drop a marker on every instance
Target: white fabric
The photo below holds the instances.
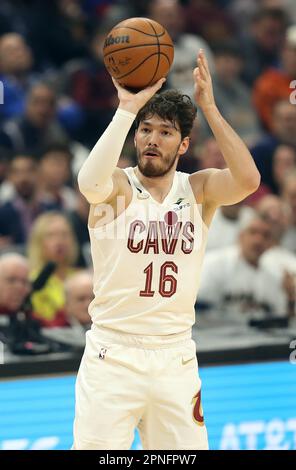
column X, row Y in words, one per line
column 129, row 381
column 289, row 239
column 223, row 231
column 80, row 154
column 229, row 283
column 277, row 260
column 95, row 175
column 186, row 48
column 120, row 275
column 7, row 192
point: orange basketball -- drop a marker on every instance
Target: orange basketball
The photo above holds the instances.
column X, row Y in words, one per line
column 138, row 52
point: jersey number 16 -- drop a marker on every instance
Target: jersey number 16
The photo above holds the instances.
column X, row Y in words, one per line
column 167, row 282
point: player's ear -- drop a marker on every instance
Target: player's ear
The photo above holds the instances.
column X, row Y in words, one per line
column 135, row 137
column 184, row 145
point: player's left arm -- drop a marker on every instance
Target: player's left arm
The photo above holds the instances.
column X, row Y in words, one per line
column 241, row 178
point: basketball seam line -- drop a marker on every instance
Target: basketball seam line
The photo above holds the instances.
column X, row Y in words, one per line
column 158, row 54
column 139, row 31
column 146, row 58
column 131, row 47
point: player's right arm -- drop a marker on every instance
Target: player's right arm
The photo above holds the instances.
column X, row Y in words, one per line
column 98, row 179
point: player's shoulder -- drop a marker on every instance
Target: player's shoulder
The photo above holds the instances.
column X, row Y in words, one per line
column 121, row 187
column 121, row 179
column 202, row 175
column 120, row 173
column 197, row 181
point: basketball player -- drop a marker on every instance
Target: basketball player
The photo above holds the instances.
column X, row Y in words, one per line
column 148, row 228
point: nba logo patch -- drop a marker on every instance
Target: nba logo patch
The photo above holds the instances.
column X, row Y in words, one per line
column 102, row 353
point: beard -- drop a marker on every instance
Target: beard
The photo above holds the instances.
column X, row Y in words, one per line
column 149, row 169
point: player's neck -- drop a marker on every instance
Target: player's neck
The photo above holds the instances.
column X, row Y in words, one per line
column 159, row 186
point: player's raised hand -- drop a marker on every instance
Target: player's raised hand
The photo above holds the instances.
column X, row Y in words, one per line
column 133, row 102
column 203, row 88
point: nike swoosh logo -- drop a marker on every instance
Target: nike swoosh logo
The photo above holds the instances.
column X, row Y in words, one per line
column 187, row 360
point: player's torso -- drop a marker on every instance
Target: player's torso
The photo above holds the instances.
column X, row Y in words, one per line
column 147, row 262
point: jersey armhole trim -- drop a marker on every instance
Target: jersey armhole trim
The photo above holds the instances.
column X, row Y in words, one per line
column 127, row 171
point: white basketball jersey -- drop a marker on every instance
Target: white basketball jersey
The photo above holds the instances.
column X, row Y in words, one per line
column 147, row 262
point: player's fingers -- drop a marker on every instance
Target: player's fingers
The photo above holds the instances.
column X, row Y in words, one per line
column 196, row 73
column 149, row 91
column 201, row 84
column 199, row 76
column 158, row 84
column 152, row 89
column 114, row 81
column 202, row 65
column 116, row 84
column 202, row 69
column 204, row 61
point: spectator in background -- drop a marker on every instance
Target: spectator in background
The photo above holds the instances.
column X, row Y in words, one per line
column 14, row 288
column 189, row 163
column 21, row 203
column 14, row 283
column 283, row 129
column 206, row 155
column 54, row 172
column 243, row 10
column 37, row 127
column 15, row 73
column 277, row 212
column 282, row 161
column 210, row 156
column 210, row 20
column 78, row 296
column 79, row 221
column 231, row 94
column 233, row 282
column 289, row 195
column 52, row 240
column 226, row 224
column 283, row 132
column 88, row 83
column 98, row 8
column 58, row 32
column 274, row 84
column 5, row 157
column 171, row 15
column 261, row 46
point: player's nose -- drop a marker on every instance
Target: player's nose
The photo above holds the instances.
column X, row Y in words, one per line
column 153, row 139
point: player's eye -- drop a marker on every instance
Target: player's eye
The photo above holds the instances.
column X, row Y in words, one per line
column 145, row 130
column 166, row 133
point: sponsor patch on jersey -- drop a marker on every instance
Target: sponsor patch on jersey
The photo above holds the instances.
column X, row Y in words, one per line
column 178, row 208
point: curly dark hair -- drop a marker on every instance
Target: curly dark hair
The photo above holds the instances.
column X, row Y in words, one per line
column 173, row 106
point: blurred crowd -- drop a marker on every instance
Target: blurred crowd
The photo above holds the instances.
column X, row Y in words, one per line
column 57, row 100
